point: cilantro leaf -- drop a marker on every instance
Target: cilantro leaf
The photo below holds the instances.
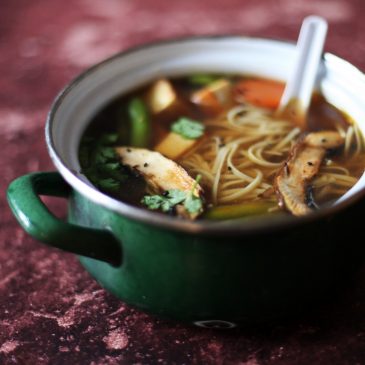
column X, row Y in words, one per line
column 108, row 138
column 164, row 202
column 175, row 196
column 188, row 128
column 193, row 204
column 109, row 184
column 112, row 166
column 153, row 202
column 100, row 163
column 166, row 206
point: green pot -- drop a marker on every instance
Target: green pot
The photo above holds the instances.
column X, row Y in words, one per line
column 213, row 274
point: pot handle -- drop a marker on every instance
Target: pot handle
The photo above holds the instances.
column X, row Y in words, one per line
column 23, row 197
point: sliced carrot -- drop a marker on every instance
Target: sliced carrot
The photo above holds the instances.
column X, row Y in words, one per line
column 263, row 93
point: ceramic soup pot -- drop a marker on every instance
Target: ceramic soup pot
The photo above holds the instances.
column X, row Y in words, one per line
column 213, row 274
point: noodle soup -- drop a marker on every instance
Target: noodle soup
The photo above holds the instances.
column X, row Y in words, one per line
column 233, row 156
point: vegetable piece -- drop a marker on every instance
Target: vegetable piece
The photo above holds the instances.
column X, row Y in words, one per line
column 164, row 202
column 101, row 164
column 238, row 210
column 193, row 203
column 291, row 183
column 140, row 123
column 186, row 204
column 108, row 184
column 155, row 202
column 188, row 128
column 161, row 96
column 203, row 79
column 263, row 93
column 174, row 146
column 185, row 134
column 214, row 97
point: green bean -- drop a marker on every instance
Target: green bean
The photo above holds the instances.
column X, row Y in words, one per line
column 238, row 210
column 203, row 79
column 140, row 123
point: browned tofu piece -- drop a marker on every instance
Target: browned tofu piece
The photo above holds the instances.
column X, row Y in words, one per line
column 161, row 96
column 161, row 174
column 164, row 102
column 174, row 146
column 214, row 97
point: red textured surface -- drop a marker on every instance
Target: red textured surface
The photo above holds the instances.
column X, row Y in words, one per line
column 51, row 311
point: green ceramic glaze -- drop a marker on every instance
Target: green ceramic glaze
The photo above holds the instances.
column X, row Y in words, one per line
column 211, row 280
column 36, row 219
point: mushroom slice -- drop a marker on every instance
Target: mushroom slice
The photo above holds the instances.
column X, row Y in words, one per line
column 160, row 173
column 291, row 183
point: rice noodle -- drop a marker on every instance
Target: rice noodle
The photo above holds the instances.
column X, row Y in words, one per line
column 359, row 139
column 245, row 148
column 348, row 140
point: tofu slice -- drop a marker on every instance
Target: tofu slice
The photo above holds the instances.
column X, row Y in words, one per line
column 174, row 146
column 161, row 96
column 213, row 97
column 160, row 173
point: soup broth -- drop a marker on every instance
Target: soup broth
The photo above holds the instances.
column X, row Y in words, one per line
column 222, row 130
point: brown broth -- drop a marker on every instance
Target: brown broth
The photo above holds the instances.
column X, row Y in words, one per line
column 114, row 119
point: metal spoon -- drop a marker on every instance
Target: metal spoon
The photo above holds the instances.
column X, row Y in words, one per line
column 296, row 98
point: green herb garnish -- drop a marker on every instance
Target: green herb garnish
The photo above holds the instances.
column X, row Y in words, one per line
column 153, row 202
column 109, row 184
column 192, row 203
column 140, row 123
column 173, row 197
column 108, row 138
column 188, row 128
column 101, row 164
column 164, row 202
column 203, row 79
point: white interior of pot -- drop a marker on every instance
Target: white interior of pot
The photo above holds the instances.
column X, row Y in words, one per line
column 341, row 84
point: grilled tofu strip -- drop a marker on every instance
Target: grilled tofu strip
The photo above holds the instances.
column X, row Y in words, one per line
column 291, row 183
column 160, row 173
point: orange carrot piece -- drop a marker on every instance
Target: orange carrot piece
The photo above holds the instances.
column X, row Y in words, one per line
column 263, row 93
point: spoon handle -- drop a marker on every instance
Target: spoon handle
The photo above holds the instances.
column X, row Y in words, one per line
column 298, row 91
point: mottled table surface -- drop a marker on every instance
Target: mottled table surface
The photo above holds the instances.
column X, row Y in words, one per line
column 51, row 311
